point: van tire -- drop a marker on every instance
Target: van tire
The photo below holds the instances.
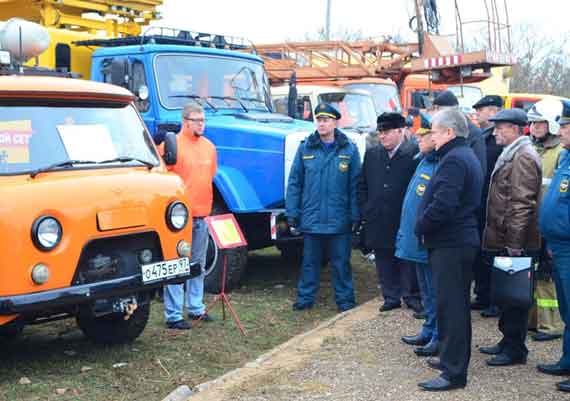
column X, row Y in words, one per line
column 113, row 328
column 236, row 260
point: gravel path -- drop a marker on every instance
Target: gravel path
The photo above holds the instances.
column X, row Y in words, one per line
column 359, row 356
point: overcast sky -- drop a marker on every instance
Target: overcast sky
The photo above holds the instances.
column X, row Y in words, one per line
column 269, row 21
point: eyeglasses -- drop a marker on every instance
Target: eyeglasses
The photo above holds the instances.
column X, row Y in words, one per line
column 196, row 120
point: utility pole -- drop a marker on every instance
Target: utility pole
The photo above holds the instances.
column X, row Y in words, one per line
column 420, row 22
column 328, row 21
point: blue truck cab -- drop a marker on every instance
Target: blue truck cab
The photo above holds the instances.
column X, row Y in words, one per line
column 255, row 146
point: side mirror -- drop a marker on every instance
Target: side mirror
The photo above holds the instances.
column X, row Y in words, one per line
column 170, row 149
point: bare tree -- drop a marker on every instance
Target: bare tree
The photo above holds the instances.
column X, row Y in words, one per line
column 541, row 67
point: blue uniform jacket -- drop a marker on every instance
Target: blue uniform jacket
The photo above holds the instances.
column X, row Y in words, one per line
column 407, row 244
column 555, row 209
column 321, row 192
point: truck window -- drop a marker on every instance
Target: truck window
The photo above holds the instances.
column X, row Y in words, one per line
column 224, row 81
column 62, row 57
column 280, row 105
column 468, row 97
column 138, row 80
column 37, row 136
column 357, row 110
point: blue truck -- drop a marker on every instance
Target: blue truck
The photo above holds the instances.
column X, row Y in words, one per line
column 255, row 146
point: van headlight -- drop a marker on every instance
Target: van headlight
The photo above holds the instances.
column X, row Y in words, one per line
column 46, row 233
column 176, row 216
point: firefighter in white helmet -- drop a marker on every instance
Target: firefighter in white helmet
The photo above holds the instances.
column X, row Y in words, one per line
column 544, row 127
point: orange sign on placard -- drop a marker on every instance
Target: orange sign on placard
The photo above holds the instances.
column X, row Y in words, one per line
column 225, row 231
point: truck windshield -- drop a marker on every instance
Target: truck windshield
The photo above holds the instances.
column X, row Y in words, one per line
column 226, row 83
column 385, row 97
column 50, row 137
column 357, row 110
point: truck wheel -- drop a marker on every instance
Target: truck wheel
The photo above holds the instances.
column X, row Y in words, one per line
column 10, row 331
column 236, row 261
column 113, row 328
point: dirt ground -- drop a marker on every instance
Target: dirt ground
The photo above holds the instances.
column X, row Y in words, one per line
column 359, row 356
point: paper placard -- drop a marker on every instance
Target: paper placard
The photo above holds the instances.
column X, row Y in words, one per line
column 87, row 142
column 225, row 231
column 15, row 141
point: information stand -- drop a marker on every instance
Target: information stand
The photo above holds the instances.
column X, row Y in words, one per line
column 226, row 234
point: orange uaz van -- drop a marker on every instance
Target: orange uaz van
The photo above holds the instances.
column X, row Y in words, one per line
column 90, row 220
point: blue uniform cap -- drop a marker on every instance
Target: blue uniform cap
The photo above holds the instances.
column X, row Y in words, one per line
column 326, row 110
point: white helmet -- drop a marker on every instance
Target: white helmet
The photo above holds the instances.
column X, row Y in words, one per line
column 549, row 110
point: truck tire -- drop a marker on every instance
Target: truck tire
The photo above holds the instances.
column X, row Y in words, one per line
column 10, row 331
column 113, row 328
column 236, row 261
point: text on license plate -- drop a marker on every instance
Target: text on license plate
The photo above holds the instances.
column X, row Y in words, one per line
column 165, row 269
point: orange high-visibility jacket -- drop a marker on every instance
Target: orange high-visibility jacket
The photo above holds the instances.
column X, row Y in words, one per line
column 196, row 164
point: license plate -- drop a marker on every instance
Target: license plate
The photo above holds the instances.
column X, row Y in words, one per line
column 164, row 270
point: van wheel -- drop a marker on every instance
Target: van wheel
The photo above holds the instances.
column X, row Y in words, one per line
column 113, row 328
column 236, row 261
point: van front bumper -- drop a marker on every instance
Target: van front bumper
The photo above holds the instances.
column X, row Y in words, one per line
column 85, row 293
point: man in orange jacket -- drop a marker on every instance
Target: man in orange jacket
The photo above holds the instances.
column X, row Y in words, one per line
column 196, row 165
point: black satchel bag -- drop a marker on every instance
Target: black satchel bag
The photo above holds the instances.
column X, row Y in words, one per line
column 512, row 281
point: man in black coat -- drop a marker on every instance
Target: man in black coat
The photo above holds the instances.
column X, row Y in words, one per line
column 448, row 226
column 486, row 108
column 386, row 172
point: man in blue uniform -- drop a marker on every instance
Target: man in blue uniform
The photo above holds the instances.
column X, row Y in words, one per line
column 321, row 204
column 555, row 227
column 407, row 244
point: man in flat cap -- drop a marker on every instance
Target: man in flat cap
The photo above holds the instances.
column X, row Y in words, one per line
column 486, row 108
column 321, row 204
column 386, row 172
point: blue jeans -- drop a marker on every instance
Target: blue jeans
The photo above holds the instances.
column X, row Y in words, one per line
column 561, row 256
column 338, row 248
column 427, row 292
column 174, row 294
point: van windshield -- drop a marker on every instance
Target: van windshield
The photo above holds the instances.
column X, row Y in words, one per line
column 386, row 98
column 466, row 96
column 212, row 81
column 36, row 137
column 357, row 110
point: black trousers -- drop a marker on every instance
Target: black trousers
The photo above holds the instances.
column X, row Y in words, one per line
column 482, row 276
column 513, row 324
column 396, row 277
column 452, row 283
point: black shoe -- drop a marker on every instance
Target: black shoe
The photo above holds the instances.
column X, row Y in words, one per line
column 478, row 305
column 542, row 336
column 506, row 360
column 430, row 349
column 415, row 306
column 389, row 306
column 564, row 386
column 203, row 317
column 440, row 384
column 179, row 325
column 420, row 316
column 553, row 369
column 435, row 363
column 297, row 306
column 492, row 350
column 491, row 311
column 415, row 340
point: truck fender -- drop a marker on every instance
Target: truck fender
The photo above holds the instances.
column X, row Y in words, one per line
column 236, row 191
